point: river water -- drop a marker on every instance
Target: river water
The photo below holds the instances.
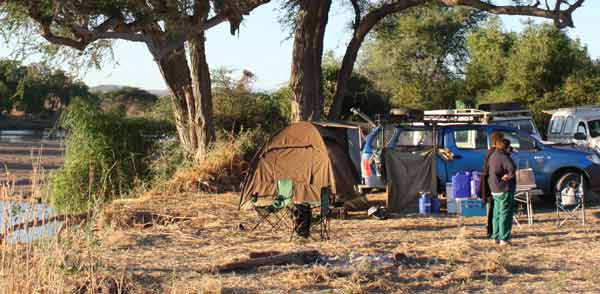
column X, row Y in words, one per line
column 19, row 149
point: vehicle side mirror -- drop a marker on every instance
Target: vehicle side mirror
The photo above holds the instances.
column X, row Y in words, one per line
column 580, row 136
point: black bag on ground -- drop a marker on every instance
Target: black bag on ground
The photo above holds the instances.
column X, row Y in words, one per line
column 302, row 217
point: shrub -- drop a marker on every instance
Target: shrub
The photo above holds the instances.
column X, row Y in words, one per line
column 106, row 153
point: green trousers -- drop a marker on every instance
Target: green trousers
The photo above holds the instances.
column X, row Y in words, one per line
column 503, row 214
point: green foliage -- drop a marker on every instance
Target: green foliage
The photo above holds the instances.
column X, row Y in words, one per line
column 489, row 49
column 130, row 94
column 134, row 100
column 163, row 110
column 542, row 59
column 37, row 89
column 542, row 68
column 166, row 159
column 361, row 92
column 417, row 54
column 105, row 155
column 237, row 106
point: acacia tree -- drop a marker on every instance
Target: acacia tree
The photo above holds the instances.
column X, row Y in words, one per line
column 369, row 13
column 306, row 77
column 166, row 27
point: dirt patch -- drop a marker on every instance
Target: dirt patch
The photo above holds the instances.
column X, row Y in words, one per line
column 400, row 255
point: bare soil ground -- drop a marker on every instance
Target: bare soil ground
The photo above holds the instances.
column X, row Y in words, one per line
column 172, row 243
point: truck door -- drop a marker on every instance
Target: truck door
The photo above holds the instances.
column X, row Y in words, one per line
column 469, row 146
column 527, row 155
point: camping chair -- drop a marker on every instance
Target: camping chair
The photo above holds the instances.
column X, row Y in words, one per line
column 322, row 219
column 276, row 213
column 570, row 206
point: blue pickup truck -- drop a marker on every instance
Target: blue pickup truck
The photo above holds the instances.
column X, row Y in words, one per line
column 554, row 166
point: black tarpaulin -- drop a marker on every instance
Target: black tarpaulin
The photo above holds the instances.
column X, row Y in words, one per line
column 407, row 174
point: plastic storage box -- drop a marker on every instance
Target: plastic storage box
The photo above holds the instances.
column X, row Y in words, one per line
column 470, row 207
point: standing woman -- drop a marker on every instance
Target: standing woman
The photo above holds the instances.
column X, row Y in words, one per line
column 502, row 184
column 484, row 189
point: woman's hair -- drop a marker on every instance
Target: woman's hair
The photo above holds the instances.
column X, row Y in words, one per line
column 497, row 139
column 506, row 145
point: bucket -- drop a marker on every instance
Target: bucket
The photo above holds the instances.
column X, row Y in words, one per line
column 568, row 196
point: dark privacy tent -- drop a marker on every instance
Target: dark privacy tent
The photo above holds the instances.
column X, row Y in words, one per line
column 313, row 155
column 407, row 174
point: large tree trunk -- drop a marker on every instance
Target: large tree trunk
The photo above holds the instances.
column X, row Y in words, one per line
column 306, row 78
column 203, row 91
column 193, row 116
column 361, row 28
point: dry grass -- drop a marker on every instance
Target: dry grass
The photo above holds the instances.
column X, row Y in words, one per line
column 223, row 169
column 433, row 255
column 187, row 235
column 170, row 242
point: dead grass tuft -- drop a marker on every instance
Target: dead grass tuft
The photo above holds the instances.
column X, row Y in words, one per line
column 223, row 169
column 211, row 285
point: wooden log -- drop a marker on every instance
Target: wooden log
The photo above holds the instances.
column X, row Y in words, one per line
column 300, row 258
column 263, row 254
column 67, row 219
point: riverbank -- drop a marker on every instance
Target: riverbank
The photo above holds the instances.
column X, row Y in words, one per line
column 26, row 157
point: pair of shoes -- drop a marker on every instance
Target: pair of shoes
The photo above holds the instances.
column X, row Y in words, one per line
column 505, row 243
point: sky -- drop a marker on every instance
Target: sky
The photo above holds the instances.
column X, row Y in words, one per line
column 263, row 47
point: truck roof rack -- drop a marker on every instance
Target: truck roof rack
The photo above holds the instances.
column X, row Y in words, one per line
column 471, row 115
column 457, row 116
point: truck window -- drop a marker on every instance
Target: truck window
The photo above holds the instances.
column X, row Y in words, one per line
column 594, row 128
column 582, row 129
column 519, row 142
column 415, row 138
column 471, row 139
column 569, row 126
column 557, row 124
column 527, row 126
column 378, row 143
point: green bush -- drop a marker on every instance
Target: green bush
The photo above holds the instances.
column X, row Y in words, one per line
column 237, row 106
column 106, row 154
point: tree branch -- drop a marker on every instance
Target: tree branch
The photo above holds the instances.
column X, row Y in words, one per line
column 357, row 13
column 233, row 11
column 562, row 18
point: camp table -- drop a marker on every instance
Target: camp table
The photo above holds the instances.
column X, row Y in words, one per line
column 524, row 194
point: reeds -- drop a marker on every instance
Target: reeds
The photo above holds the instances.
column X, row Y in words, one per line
column 37, row 258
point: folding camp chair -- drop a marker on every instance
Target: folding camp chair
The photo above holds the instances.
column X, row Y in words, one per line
column 570, row 209
column 276, row 213
column 322, row 219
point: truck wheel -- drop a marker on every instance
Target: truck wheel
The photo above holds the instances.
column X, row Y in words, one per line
column 564, row 180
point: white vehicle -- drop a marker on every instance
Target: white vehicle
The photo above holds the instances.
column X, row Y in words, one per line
column 575, row 125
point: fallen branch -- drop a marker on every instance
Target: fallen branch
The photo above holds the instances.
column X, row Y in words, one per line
column 67, row 219
column 300, row 258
